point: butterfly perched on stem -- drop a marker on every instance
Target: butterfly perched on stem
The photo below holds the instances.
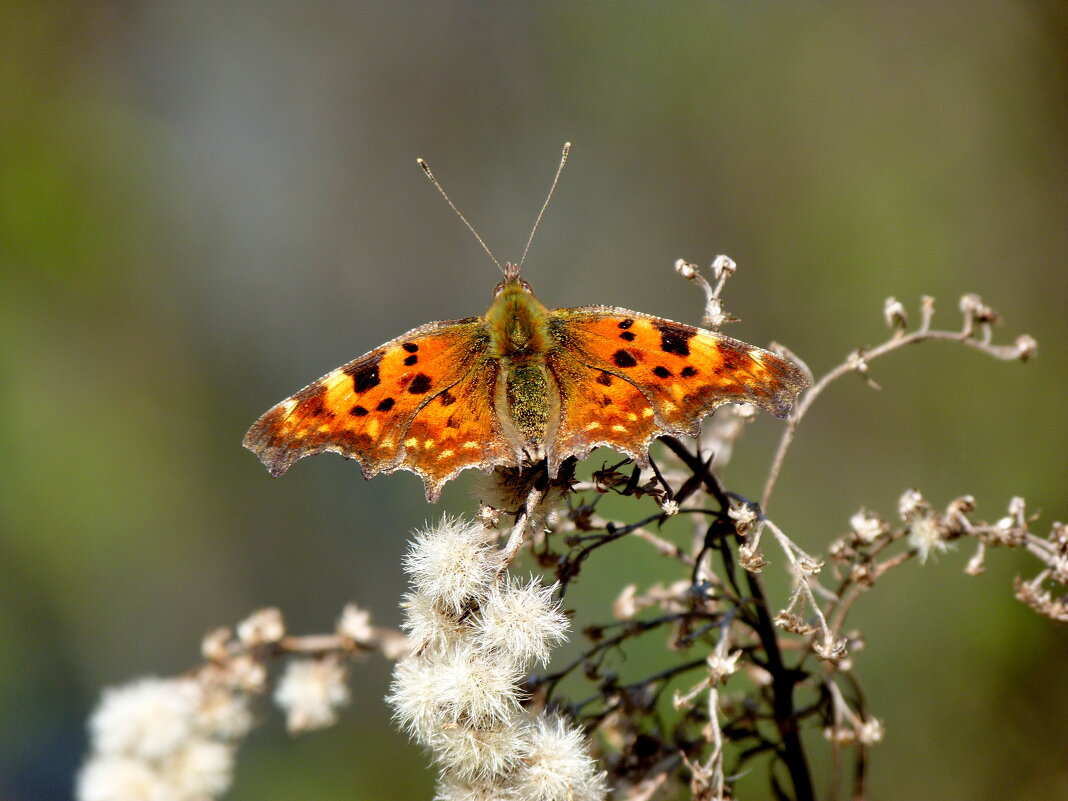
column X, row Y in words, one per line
column 522, row 383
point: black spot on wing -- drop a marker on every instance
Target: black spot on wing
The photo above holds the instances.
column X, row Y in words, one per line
column 358, row 411
column 606, row 401
column 626, row 323
column 411, row 347
column 385, row 404
column 675, row 338
column 630, row 336
column 446, row 398
column 420, row 384
column 623, row 358
column 661, row 372
column 688, row 372
column 410, row 360
column 365, row 375
column 604, row 379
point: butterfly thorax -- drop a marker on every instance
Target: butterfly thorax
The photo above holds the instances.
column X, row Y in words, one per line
column 518, row 327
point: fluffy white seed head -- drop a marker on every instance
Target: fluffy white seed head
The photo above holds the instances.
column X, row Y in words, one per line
column 430, row 625
column 224, row 713
column 310, row 692
column 452, row 562
column 559, row 765
column 482, row 754
column 453, row 788
column 150, row 719
column 109, row 777
column 201, row 770
column 520, row 621
column 410, row 695
column 926, row 536
column 461, row 687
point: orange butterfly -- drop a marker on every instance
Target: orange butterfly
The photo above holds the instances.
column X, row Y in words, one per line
column 521, row 383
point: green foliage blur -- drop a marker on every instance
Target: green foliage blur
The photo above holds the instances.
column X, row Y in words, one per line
column 203, row 207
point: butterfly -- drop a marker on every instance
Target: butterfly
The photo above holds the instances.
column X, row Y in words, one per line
column 521, row 383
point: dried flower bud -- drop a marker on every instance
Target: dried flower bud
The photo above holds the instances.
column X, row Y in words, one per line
column 670, row 508
column 310, row 693
column 686, row 269
column 895, row 314
column 957, row 513
column 215, row 647
column 246, row 672
column 871, row 732
column 830, row 649
column 862, row 574
column 262, row 627
column 912, row 505
column 858, row 361
column 975, row 310
column 488, row 516
column 792, row 623
column 840, row 551
column 721, row 667
column 744, row 516
column 868, row 527
column 750, row 560
column 723, row 266
column 355, row 625
column 1026, row 347
column 927, row 534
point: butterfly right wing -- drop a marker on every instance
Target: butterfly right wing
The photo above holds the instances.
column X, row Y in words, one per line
column 364, row 409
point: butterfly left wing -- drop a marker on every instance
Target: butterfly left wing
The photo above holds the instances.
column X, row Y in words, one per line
column 680, row 372
column 386, row 409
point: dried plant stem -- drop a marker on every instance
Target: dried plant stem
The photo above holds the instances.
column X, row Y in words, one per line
column 519, row 529
column 858, row 362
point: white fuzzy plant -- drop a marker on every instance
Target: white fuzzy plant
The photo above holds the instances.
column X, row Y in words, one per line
column 474, row 630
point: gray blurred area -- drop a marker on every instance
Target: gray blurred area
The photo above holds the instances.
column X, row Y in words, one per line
column 203, row 207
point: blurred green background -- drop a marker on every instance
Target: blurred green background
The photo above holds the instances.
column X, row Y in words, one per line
column 205, row 206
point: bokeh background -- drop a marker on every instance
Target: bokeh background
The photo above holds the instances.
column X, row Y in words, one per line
column 205, row 206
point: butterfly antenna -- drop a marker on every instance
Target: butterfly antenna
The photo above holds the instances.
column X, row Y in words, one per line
column 545, row 205
column 433, row 180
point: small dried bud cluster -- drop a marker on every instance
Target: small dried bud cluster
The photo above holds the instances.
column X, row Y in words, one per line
column 977, row 314
column 311, row 691
column 474, row 630
column 895, row 314
column 164, row 738
column 723, row 267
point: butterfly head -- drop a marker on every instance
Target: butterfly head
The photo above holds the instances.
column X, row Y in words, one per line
column 512, row 282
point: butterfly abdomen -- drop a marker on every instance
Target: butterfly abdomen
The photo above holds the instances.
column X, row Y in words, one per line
column 527, row 397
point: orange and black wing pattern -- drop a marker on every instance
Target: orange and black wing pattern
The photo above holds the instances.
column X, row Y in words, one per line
column 682, row 372
column 390, row 409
